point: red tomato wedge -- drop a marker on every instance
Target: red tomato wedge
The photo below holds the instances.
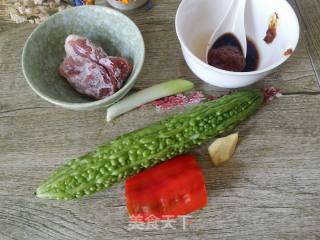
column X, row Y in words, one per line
column 170, row 189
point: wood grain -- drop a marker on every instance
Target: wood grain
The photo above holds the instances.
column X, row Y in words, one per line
column 309, row 10
column 270, row 189
column 3, row 11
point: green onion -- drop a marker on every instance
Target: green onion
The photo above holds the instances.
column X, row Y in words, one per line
column 147, row 95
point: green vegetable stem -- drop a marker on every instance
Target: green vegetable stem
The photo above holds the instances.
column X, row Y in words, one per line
column 147, row 95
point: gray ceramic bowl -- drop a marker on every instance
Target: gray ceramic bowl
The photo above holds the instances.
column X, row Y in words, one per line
column 44, row 51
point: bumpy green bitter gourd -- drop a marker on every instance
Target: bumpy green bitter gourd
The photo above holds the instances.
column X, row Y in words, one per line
column 135, row 151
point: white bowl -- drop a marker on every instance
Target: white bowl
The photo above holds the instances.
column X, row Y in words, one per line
column 197, row 20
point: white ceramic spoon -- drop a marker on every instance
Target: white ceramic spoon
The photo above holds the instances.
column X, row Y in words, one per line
column 233, row 22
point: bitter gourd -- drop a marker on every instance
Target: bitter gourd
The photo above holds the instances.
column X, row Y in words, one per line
column 135, row 151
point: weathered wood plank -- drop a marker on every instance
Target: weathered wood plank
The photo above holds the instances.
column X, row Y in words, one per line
column 294, row 76
column 309, row 10
column 270, row 190
column 3, row 11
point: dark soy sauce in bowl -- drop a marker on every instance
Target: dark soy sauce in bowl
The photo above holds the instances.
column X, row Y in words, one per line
column 226, row 54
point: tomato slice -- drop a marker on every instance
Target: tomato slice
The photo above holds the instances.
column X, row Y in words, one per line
column 170, row 189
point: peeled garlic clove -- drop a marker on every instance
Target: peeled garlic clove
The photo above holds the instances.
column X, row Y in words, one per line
column 222, row 149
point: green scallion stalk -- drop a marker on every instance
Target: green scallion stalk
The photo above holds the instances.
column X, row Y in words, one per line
column 147, row 95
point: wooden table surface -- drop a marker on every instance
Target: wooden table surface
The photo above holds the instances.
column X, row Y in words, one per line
column 270, row 189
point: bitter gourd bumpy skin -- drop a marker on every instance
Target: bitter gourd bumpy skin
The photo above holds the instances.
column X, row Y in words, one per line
column 135, row 151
